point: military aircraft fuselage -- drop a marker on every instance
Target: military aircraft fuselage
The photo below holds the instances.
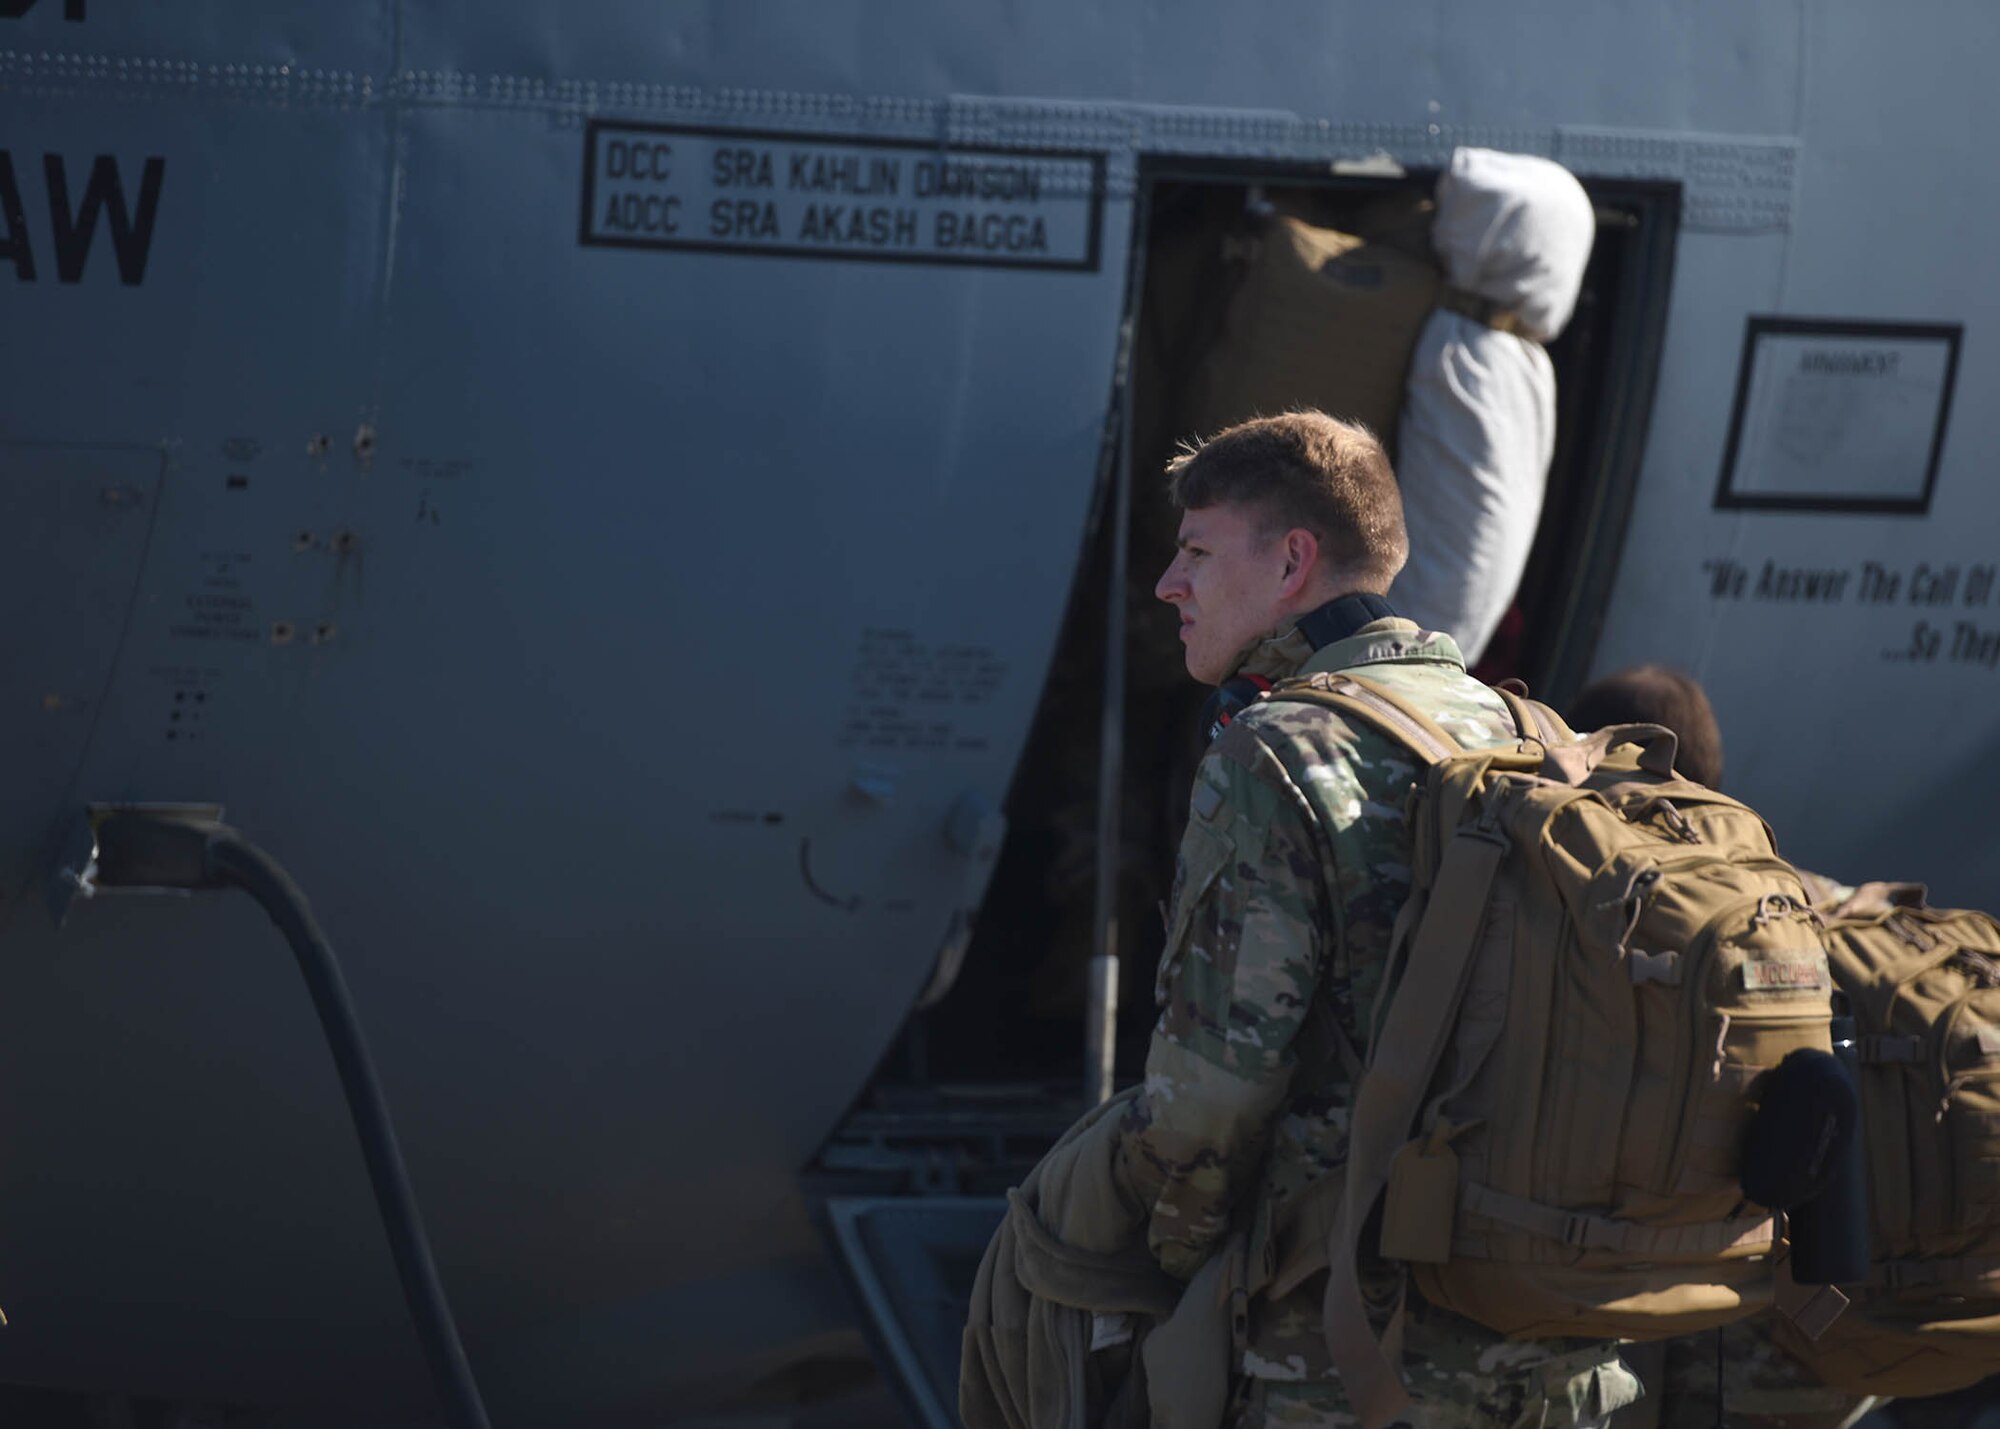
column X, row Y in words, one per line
column 596, row 491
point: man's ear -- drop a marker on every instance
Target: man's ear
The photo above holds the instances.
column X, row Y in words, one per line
column 1301, row 561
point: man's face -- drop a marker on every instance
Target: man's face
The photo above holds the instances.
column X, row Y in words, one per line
column 1227, row 584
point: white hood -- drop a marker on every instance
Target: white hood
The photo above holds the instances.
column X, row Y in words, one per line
column 1517, row 231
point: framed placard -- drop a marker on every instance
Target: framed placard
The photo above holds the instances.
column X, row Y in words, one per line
column 1839, row 416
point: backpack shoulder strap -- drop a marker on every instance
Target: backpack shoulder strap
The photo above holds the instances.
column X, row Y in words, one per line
column 1403, row 1057
column 1376, row 707
column 1533, row 719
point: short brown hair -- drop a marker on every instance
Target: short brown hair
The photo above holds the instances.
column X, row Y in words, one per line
column 1305, row 470
column 1655, row 694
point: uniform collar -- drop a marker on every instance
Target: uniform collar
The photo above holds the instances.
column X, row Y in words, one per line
column 1286, row 652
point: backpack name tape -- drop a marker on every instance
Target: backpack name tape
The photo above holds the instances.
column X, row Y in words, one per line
column 1782, row 974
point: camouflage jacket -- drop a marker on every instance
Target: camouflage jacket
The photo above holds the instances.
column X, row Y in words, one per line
column 1291, row 872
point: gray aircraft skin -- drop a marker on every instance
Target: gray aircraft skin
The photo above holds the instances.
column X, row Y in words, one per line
column 595, row 489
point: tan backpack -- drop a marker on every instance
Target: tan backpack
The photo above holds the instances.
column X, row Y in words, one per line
column 1924, row 984
column 1596, row 960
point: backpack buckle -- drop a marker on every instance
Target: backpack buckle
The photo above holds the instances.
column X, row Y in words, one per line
column 1488, row 827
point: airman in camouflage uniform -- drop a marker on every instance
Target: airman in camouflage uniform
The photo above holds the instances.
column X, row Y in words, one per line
column 1293, row 867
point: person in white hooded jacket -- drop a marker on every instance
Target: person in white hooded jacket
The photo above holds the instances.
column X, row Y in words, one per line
column 1477, row 431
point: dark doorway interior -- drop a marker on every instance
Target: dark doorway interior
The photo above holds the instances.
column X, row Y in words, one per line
column 1014, row 1020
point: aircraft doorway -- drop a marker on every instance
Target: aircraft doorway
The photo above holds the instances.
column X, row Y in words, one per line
column 1001, row 1054
column 1015, row 1015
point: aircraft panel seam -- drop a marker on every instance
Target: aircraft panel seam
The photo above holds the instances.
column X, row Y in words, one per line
column 1738, row 184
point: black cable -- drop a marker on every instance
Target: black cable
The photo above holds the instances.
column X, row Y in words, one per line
column 232, row 858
